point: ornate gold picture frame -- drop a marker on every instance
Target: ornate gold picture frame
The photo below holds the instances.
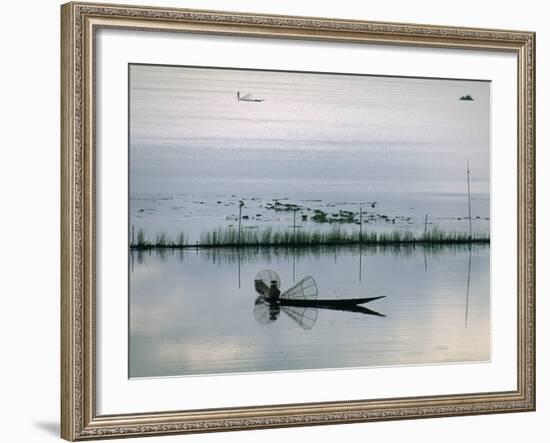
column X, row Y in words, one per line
column 80, row 23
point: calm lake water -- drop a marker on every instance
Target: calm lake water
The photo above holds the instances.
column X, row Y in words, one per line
column 192, row 311
column 391, row 149
column 322, row 142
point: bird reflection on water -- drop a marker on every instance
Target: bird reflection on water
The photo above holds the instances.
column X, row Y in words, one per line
column 300, row 301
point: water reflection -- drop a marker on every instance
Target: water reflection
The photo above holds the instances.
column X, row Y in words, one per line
column 468, row 286
column 251, row 255
column 188, row 314
column 300, row 301
column 223, row 256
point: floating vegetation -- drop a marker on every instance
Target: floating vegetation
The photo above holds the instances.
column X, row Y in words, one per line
column 269, row 237
column 319, row 216
column 342, row 216
column 278, row 206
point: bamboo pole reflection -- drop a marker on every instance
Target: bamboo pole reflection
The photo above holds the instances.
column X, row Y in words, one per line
column 294, row 265
column 425, row 259
column 468, row 286
column 360, row 261
column 239, row 266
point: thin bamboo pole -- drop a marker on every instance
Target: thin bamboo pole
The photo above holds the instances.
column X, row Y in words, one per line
column 426, row 227
column 469, row 200
column 241, row 204
column 360, row 224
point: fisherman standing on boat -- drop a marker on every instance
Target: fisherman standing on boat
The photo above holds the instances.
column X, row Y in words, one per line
column 274, row 291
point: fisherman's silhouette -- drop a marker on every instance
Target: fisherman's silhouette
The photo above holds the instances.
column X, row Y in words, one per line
column 274, row 291
column 299, row 302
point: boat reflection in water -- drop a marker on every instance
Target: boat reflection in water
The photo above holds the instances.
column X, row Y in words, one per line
column 300, row 301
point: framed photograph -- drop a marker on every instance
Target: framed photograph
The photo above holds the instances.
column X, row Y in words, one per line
column 283, row 221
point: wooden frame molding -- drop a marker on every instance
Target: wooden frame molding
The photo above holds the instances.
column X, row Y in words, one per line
column 79, row 22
